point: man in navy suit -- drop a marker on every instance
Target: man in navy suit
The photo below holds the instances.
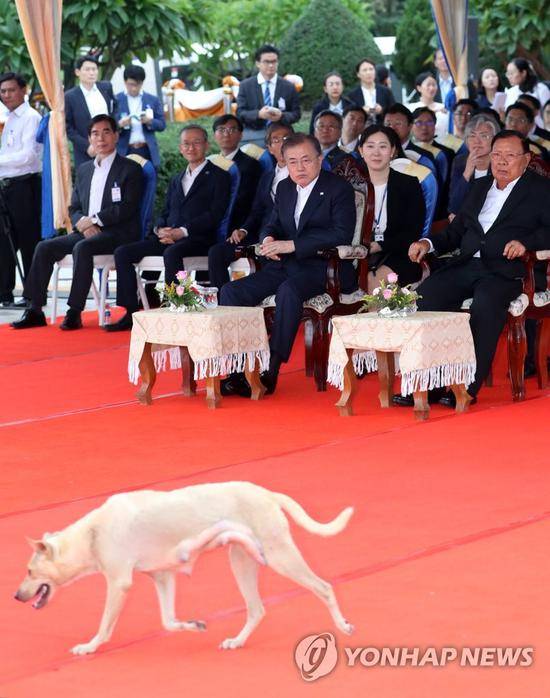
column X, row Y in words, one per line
column 314, row 210
column 196, row 202
column 104, row 211
column 139, row 115
column 266, row 98
column 228, row 131
column 82, row 103
column 221, row 255
column 328, row 131
column 503, row 215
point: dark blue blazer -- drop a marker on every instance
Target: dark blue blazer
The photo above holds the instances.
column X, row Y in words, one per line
column 121, row 218
column 261, row 210
column 158, row 124
column 77, row 118
column 328, row 219
column 323, row 105
column 250, row 172
column 204, row 207
column 250, row 100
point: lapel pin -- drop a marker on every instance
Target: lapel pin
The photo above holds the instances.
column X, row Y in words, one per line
column 321, row 193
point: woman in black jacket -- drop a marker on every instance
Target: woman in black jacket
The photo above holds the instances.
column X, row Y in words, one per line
column 369, row 95
column 334, row 100
column 399, row 209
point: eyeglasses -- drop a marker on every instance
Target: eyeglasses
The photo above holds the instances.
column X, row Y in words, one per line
column 278, row 139
column 274, row 62
column 464, row 113
column 481, row 136
column 327, row 127
column 396, row 124
column 192, row 144
column 516, row 120
column 506, row 157
column 424, row 123
column 227, row 130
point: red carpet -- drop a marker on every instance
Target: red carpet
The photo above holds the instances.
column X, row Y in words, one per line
column 447, row 548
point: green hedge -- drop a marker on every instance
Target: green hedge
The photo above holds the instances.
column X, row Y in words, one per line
column 326, row 37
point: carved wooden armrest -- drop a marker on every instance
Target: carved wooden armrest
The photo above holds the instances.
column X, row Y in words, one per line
column 352, row 251
column 543, row 255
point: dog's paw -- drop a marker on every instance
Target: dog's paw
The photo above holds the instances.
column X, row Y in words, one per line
column 84, row 648
column 231, row 643
column 192, row 625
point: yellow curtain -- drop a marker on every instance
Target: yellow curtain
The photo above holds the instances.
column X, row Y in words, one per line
column 451, row 21
column 41, row 24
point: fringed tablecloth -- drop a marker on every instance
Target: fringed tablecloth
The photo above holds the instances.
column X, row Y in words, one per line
column 220, row 341
column 436, row 349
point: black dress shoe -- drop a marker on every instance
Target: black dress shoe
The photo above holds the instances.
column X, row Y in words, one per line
column 269, row 380
column 72, row 320
column 434, row 396
column 125, row 323
column 30, row 318
column 235, row 384
column 449, row 400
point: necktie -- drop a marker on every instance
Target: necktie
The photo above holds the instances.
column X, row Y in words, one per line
column 267, row 95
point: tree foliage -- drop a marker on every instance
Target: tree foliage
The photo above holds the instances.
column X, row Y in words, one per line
column 326, row 37
column 13, row 51
column 241, row 26
column 415, row 41
column 516, row 29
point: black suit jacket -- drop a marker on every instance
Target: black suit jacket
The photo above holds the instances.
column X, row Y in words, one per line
column 250, row 100
column 384, row 97
column 323, row 105
column 250, row 172
column 335, row 156
column 328, row 219
column 121, row 218
column 77, row 118
column 525, row 216
column 204, row 207
column 406, row 212
column 261, row 210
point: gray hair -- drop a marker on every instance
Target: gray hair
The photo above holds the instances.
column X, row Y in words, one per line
column 479, row 119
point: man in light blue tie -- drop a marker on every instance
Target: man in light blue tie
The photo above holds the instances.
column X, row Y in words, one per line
column 266, row 98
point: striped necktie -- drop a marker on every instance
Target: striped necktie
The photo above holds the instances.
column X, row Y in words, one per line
column 267, row 95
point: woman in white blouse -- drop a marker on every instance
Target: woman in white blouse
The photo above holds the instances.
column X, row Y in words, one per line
column 490, row 92
column 523, row 79
column 426, row 86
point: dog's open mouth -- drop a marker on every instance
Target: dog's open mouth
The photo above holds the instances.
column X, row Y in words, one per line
column 42, row 595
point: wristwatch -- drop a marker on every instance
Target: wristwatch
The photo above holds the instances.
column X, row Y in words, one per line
column 95, row 220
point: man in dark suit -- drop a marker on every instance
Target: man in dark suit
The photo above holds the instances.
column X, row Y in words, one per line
column 522, row 118
column 503, row 216
column 328, row 131
column 266, row 98
column 139, row 115
column 104, row 210
column 82, row 103
column 228, row 130
column 221, row 255
column 196, row 202
column 314, row 210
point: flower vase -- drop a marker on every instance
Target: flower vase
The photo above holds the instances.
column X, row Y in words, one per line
column 397, row 312
column 173, row 308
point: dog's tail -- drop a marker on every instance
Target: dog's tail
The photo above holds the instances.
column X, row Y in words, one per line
column 302, row 518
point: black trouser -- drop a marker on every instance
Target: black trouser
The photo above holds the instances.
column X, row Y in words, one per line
column 128, row 255
column 53, row 250
column 291, row 288
column 143, row 151
column 22, row 197
column 491, row 293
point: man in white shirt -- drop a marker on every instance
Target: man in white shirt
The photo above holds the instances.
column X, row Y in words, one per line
column 314, row 210
column 444, row 78
column 502, row 216
column 105, row 213
column 328, row 130
column 20, row 184
column 353, row 125
column 90, row 98
column 266, row 98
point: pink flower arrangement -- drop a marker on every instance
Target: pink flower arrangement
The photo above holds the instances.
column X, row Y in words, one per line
column 390, row 298
column 183, row 293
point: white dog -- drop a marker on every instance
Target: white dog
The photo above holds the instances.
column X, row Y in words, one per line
column 160, row 533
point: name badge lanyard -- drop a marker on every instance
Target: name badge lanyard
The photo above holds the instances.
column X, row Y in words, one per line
column 378, row 235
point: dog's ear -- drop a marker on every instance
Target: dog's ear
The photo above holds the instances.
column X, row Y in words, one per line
column 41, row 546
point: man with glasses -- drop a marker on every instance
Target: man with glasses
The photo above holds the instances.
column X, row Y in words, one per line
column 521, row 118
column 266, row 98
column 228, row 131
column 463, row 111
column 504, row 214
column 314, row 210
column 196, row 202
column 473, row 164
column 328, row 130
column 221, row 255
